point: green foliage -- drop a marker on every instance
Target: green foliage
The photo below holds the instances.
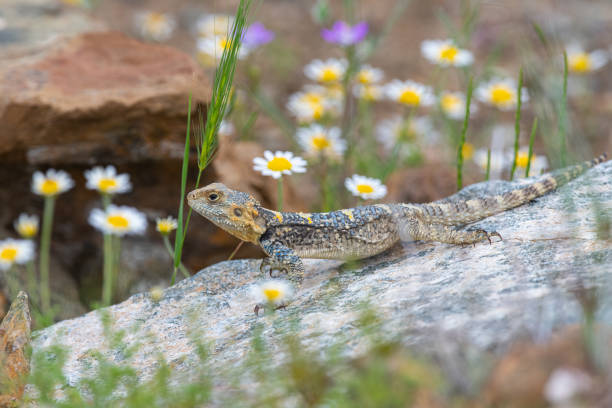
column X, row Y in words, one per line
column 517, row 122
column 466, row 120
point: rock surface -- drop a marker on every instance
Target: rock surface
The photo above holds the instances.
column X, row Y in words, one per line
column 428, row 294
column 14, row 340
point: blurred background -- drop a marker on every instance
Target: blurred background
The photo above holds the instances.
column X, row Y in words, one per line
column 107, row 82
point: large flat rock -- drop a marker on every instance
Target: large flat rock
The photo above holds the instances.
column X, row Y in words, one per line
column 487, row 295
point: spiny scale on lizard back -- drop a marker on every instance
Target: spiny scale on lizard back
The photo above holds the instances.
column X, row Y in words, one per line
column 465, row 212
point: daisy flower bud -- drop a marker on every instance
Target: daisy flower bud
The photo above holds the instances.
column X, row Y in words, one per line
column 166, row 225
column 26, row 225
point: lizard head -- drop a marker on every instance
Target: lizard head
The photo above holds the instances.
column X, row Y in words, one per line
column 234, row 211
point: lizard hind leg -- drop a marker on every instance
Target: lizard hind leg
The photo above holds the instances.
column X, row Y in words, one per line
column 421, row 231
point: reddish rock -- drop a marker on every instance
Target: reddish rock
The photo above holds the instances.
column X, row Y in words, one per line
column 96, row 97
column 14, row 339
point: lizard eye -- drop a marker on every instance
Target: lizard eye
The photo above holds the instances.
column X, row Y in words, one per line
column 237, row 212
column 213, row 196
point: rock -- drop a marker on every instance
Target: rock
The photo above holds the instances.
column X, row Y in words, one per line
column 427, row 294
column 98, row 97
column 14, row 341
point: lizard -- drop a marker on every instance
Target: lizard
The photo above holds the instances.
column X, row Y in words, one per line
column 360, row 232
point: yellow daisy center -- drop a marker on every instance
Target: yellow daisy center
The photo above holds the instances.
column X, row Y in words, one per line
column 329, row 75
column 49, row 187
column 27, row 230
column 409, row 97
column 165, row 227
column 580, row 62
column 449, row 102
column 155, row 20
column 467, row 150
column 501, row 95
column 364, row 77
column 107, row 184
column 365, row 188
column 272, row 294
column 8, row 254
column 448, row 53
column 320, row 142
column 279, row 164
column 522, row 159
column 118, row 221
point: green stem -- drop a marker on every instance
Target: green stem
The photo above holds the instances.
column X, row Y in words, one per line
column 106, row 200
column 235, row 250
column 563, row 114
column 466, row 120
column 107, row 286
column 45, row 247
column 517, row 123
column 171, row 253
column 31, row 277
column 280, row 194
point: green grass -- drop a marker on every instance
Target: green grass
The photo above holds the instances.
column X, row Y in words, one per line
column 206, row 132
column 466, row 120
column 517, row 122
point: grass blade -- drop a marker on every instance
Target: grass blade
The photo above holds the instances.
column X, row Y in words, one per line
column 178, row 243
column 517, row 123
column 466, row 120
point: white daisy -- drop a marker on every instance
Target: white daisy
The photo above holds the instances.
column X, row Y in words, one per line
column 274, row 292
column 279, row 163
column 453, row 105
column 107, row 181
column 368, row 92
column 166, row 225
column 316, row 140
column 446, row 53
column 210, row 49
column 118, row 220
column 314, row 103
column 326, row 72
column 155, row 26
column 26, row 225
column 537, row 166
column 15, row 251
column 409, row 93
column 393, row 130
column 365, row 187
column 368, row 75
column 212, row 25
column 52, row 183
column 501, row 93
column 581, row 62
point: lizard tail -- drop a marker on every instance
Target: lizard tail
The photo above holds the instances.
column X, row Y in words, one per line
column 465, row 212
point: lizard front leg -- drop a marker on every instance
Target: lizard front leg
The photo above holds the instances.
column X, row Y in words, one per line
column 282, row 258
column 418, row 230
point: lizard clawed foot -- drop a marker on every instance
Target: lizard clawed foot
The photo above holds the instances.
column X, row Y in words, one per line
column 274, row 271
column 489, row 235
column 259, row 307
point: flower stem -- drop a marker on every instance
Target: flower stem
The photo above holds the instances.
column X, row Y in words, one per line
column 517, row 123
column 31, row 277
column 488, row 173
column 107, row 285
column 45, row 247
column 534, row 128
column 235, row 250
column 106, row 200
column 466, row 120
column 171, row 253
column 280, row 194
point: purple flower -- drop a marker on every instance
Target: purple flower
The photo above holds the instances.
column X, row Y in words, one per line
column 343, row 34
column 257, row 35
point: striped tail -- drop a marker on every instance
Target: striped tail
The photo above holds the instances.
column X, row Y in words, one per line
column 465, row 212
